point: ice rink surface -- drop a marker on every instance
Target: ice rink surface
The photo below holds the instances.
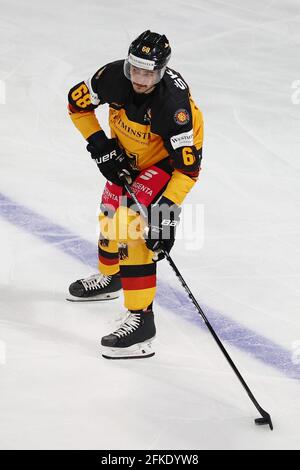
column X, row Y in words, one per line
column 241, row 60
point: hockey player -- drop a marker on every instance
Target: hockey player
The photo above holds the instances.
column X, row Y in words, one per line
column 156, row 142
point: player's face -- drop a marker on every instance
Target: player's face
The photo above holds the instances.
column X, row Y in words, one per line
column 143, row 81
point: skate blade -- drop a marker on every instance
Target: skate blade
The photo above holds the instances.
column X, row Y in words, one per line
column 137, row 351
column 96, row 298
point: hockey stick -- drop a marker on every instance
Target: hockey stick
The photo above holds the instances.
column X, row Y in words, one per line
column 265, row 417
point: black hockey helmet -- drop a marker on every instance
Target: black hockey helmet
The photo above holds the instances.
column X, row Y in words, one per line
column 149, row 51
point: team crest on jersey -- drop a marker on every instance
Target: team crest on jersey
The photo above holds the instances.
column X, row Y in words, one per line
column 181, row 117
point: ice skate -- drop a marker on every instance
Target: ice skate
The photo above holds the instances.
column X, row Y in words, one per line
column 96, row 287
column 133, row 339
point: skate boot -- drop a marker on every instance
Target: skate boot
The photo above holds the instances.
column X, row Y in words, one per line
column 132, row 340
column 96, row 287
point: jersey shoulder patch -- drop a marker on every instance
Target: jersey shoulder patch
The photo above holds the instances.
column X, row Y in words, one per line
column 172, row 113
column 172, row 103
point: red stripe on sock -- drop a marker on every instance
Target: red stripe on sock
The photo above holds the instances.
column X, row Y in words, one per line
column 138, row 283
column 107, row 261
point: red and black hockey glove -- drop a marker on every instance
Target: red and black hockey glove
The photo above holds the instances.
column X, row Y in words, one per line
column 163, row 220
column 109, row 158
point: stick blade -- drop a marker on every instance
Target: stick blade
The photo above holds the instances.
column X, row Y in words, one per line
column 266, row 419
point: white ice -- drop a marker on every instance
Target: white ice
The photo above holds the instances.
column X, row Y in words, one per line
column 241, row 60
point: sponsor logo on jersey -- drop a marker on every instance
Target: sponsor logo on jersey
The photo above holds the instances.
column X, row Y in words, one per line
column 183, row 139
column 109, row 195
column 181, row 117
column 148, row 175
column 141, row 187
column 130, row 131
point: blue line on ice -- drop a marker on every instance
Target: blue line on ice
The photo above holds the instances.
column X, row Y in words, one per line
column 243, row 338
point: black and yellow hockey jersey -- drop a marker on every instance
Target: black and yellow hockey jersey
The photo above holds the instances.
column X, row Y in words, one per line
column 164, row 124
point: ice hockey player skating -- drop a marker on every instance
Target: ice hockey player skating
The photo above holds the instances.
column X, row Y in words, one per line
column 156, row 143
